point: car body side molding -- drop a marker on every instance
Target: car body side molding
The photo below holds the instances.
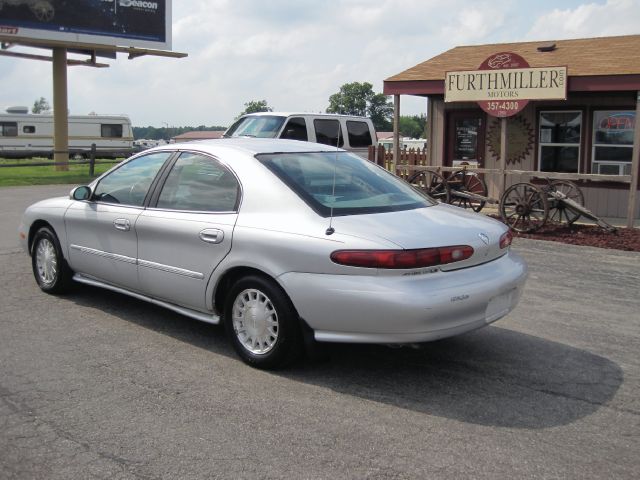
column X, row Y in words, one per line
column 212, row 318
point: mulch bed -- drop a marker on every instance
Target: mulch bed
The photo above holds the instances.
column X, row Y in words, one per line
column 627, row 239
column 588, row 235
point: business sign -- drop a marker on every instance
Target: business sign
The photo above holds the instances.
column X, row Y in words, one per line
column 127, row 23
column 504, row 83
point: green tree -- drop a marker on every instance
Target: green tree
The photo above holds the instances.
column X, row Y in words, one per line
column 359, row 99
column 412, row 126
column 255, row 106
column 40, row 105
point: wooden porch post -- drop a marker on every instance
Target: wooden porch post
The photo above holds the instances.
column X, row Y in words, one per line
column 635, row 164
column 429, row 132
column 502, row 182
column 396, row 133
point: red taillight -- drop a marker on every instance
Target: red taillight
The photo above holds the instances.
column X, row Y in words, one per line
column 506, row 239
column 424, row 257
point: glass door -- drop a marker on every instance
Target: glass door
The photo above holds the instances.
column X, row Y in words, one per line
column 465, row 138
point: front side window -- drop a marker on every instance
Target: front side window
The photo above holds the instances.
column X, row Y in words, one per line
column 129, row 183
column 612, row 148
column 341, row 183
column 296, row 129
column 199, row 183
column 259, row 126
column 8, row 129
column 559, row 139
column 359, row 134
column 329, row 132
column 111, row 130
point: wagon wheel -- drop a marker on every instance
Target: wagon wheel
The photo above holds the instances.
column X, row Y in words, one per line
column 524, row 207
column 463, row 181
column 432, row 183
column 558, row 211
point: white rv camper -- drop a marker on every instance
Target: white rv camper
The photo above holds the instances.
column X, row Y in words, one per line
column 23, row 134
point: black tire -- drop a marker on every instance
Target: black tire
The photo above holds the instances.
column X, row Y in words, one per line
column 50, row 269
column 276, row 339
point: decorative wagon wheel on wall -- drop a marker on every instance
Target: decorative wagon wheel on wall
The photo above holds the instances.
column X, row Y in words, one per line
column 524, row 207
column 467, row 182
column 432, row 183
column 558, row 210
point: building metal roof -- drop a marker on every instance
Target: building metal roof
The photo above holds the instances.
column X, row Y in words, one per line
column 198, row 135
column 384, row 135
column 588, row 60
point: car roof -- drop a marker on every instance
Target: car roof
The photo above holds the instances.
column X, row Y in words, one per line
column 252, row 146
column 308, row 114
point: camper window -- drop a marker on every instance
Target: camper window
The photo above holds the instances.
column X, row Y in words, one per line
column 111, row 130
column 29, row 129
column 8, row 129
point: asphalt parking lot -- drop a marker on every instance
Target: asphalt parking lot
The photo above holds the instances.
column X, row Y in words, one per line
column 98, row 385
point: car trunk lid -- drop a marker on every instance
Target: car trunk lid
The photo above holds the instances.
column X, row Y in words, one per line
column 437, row 226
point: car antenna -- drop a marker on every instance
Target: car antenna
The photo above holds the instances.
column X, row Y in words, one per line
column 331, row 230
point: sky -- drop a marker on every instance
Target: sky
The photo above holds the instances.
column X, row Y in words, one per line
column 296, row 53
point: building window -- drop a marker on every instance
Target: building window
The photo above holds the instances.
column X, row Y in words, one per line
column 559, row 141
column 8, row 129
column 612, row 148
column 28, row 129
column 111, row 130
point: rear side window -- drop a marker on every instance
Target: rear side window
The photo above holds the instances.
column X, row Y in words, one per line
column 359, row 134
column 296, row 129
column 199, row 183
column 329, row 132
column 8, row 129
column 111, row 130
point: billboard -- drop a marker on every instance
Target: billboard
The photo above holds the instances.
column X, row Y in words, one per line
column 124, row 23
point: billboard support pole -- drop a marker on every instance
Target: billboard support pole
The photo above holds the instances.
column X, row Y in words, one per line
column 60, row 110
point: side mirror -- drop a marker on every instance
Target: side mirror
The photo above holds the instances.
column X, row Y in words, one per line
column 80, row 193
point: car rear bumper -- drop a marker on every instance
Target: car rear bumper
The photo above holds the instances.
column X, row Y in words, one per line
column 396, row 308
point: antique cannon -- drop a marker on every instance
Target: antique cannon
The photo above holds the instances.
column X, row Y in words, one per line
column 526, row 207
column 460, row 188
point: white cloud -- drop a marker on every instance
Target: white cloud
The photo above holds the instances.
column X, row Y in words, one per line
column 615, row 17
column 296, row 53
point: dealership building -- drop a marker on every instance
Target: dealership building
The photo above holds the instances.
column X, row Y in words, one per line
column 569, row 107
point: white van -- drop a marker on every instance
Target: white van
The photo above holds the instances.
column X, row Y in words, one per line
column 349, row 132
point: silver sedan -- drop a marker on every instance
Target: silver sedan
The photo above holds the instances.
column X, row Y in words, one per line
column 287, row 243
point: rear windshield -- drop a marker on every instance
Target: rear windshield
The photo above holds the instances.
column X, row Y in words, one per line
column 341, row 183
column 262, row 126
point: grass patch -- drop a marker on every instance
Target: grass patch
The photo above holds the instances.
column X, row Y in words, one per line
column 47, row 175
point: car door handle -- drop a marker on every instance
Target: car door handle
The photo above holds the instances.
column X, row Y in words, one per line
column 211, row 235
column 122, row 224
